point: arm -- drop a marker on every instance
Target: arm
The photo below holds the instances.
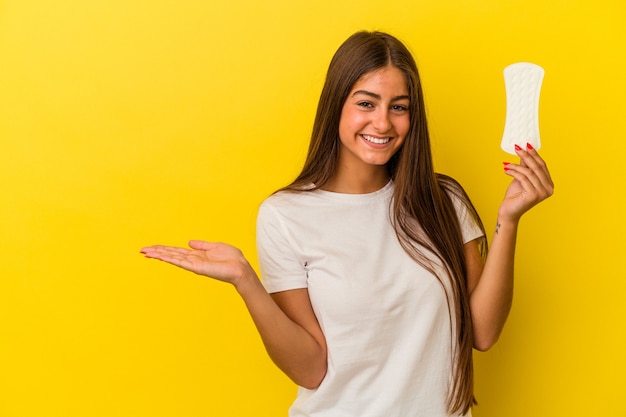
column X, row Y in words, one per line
column 491, row 285
column 285, row 321
column 290, row 331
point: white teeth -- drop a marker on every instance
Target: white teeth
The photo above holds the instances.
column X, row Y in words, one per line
column 378, row 141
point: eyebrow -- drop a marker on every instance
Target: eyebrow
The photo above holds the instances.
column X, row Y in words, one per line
column 378, row 97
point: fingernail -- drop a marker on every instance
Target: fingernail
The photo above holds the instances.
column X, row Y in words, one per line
column 506, row 163
column 529, row 146
column 517, row 148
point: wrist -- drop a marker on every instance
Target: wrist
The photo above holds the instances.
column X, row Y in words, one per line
column 506, row 217
column 248, row 281
column 505, row 224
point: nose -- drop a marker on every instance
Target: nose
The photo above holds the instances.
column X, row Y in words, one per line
column 381, row 120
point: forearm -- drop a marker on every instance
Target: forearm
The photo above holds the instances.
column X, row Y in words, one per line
column 292, row 348
column 492, row 298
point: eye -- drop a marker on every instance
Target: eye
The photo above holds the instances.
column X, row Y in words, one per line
column 399, row 108
column 365, row 104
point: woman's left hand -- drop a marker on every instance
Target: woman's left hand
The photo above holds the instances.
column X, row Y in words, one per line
column 531, row 184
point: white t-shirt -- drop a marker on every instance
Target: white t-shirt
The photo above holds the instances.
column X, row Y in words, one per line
column 385, row 318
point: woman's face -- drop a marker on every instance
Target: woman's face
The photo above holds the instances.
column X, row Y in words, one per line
column 375, row 119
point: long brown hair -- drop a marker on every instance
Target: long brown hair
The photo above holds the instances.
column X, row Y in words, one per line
column 424, row 215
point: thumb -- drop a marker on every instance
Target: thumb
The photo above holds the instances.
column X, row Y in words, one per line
column 200, row 245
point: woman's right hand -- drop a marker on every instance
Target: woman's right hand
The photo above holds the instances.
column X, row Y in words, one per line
column 215, row 260
column 287, row 324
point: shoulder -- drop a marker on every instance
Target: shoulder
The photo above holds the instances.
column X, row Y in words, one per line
column 284, row 199
column 455, row 191
column 286, row 204
column 469, row 219
column 452, row 187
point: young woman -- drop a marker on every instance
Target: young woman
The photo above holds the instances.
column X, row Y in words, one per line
column 375, row 283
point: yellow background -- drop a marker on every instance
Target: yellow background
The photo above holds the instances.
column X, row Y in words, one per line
column 130, row 122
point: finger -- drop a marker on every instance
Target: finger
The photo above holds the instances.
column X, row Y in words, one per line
column 531, row 159
column 520, row 174
column 541, row 169
column 176, row 260
column 180, row 257
column 157, row 251
column 530, row 183
column 168, row 249
column 201, row 245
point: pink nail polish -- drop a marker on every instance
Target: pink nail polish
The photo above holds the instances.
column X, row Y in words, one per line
column 517, row 148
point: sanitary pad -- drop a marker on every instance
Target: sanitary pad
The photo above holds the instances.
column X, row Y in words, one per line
column 523, row 85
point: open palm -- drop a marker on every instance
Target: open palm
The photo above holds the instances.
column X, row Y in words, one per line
column 216, row 260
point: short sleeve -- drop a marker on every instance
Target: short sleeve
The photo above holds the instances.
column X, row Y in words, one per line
column 469, row 228
column 281, row 267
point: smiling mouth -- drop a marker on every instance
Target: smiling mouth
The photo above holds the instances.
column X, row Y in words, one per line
column 378, row 141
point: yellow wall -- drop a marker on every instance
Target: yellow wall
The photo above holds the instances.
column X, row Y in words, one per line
column 130, row 122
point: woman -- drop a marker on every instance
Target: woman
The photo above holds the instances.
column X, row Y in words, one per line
column 375, row 289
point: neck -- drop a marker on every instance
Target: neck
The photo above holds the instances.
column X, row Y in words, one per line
column 357, row 182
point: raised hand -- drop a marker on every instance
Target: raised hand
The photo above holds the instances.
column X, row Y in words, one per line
column 531, row 184
column 216, row 260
